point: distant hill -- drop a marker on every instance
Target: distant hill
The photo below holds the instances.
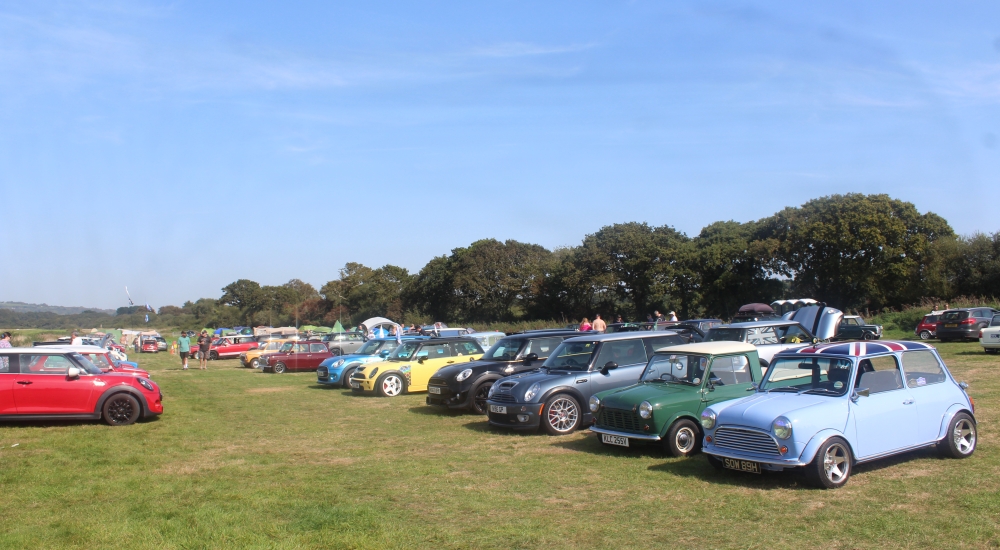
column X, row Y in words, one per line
column 22, row 307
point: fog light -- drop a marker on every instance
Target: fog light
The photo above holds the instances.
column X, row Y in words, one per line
column 646, row 427
column 784, row 450
column 522, row 418
column 708, row 438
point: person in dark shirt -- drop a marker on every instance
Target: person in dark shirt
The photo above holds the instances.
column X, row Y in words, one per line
column 204, row 345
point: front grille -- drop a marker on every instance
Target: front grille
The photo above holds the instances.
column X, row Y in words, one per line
column 748, row 441
column 438, row 382
column 619, row 419
column 323, row 373
column 503, row 398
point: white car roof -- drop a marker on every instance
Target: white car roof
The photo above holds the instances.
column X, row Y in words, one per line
column 710, row 348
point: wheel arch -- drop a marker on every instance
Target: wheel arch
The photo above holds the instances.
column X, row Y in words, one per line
column 681, row 415
column 575, row 393
column 950, row 414
column 143, row 404
column 821, row 437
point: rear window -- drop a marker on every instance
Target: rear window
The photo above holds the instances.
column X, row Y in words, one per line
column 996, row 321
column 955, row 315
column 725, row 335
column 930, row 319
column 317, row 348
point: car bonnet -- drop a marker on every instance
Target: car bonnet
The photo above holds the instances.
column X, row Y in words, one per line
column 627, row 397
column 760, row 410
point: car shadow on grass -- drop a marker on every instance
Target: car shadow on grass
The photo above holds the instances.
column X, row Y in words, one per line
column 428, row 410
column 591, row 444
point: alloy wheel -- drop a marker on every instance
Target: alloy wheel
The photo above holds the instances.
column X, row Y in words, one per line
column 479, row 400
column 392, row 386
column 121, row 411
column 563, row 415
column 964, row 436
column 836, row 463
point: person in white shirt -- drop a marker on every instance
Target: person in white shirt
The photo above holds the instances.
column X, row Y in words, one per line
column 76, row 341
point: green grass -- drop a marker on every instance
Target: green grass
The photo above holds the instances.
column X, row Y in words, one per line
column 246, row 459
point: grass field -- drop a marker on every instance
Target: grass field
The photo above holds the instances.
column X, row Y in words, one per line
column 246, row 459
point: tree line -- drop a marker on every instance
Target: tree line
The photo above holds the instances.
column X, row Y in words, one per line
column 852, row 251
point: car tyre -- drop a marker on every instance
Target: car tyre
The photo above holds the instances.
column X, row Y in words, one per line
column 255, row 363
column 832, row 466
column 867, row 336
column 479, row 396
column 960, row 439
column 121, row 409
column 925, row 335
column 346, row 380
column 683, row 438
column 213, row 356
column 764, row 364
column 279, row 368
column 390, row 384
column 561, row 415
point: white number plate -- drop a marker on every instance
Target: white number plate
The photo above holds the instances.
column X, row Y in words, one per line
column 434, row 389
column 498, row 409
column 614, row 440
column 995, row 336
column 355, row 384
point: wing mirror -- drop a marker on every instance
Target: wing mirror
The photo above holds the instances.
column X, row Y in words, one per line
column 422, row 359
column 609, row 366
column 712, row 381
column 384, row 353
column 863, row 392
column 73, row 372
column 529, row 358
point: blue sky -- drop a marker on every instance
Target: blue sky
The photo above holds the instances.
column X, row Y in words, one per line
column 175, row 147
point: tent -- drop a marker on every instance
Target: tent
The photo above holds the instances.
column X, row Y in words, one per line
column 338, row 327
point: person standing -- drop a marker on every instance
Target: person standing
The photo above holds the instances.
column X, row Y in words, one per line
column 618, row 319
column 599, row 324
column 184, row 349
column 5, row 343
column 585, row 325
column 76, row 340
column 204, row 345
column 673, row 317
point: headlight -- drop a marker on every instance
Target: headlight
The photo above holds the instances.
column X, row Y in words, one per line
column 708, row 419
column 645, row 410
column 338, row 362
column 493, row 388
column 372, row 373
column 532, row 391
column 508, row 369
column 145, row 383
column 463, row 375
column 595, row 403
column 782, row 427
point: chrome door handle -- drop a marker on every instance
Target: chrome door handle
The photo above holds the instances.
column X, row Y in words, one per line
column 24, row 382
column 581, row 381
column 908, row 402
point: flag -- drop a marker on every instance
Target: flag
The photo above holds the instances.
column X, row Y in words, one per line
column 130, row 302
column 147, row 317
column 399, row 335
column 148, row 308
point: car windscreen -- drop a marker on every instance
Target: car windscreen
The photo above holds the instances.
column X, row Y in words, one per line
column 405, row 352
column 505, row 350
column 287, row 347
column 675, row 368
column 370, row 347
column 725, row 335
column 996, row 321
column 86, row 364
column 571, row 356
column 818, row 375
column 99, row 360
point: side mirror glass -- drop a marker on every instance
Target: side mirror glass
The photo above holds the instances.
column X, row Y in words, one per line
column 713, row 381
column 529, row 358
column 73, row 372
column 383, row 353
column 609, row 366
column 422, row 359
column 864, row 392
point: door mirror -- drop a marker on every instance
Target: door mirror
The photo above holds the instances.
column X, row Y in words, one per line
column 713, row 381
column 858, row 393
column 529, row 358
column 384, row 353
column 73, row 372
column 422, row 359
column 609, row 366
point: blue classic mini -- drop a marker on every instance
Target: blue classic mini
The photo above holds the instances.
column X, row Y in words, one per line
column 336, row 371
column 827, row 407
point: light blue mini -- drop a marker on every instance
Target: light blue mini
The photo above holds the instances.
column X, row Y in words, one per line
column 828, row 407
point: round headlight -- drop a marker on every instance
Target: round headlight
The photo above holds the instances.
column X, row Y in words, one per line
column 595, row 403
column 782, row 427
column 708, row 419
column 492, row 389
column 645, row 410
column 463, row 375
column 338, row 362
column 532, row 391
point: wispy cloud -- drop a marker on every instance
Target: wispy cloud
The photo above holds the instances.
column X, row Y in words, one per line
column 522, row 49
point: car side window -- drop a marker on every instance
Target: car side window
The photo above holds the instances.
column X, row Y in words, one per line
column 302, row 347
column 621, row 352
column 434, row 351
column 5, row 364
column 661, row 342
column 317, row 348
column 466, row 348
column 732, row 370
column 45, row 364
column 879, row 374
column 922, row 368
column 761, row 335
column 792, row 334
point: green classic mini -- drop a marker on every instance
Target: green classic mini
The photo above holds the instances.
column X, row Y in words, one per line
column 677, row 384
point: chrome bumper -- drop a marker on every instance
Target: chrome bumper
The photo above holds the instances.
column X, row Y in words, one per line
column 778, row 462
column 629, row 435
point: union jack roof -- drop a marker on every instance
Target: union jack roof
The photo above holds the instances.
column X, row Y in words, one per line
column 857, row 348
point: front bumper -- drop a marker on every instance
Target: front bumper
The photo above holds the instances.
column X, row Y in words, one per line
column 325, row 375
column 766, row 462
column 517, row 415
column 363, row 384
column 447, row 397
column 630, row 435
